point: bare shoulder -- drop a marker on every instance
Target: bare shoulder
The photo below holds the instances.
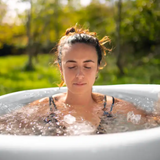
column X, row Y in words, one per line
column 120, row 105
column 45, row 100
column 59, row 97
column 100, row 98
column 40, row 106
column 124, row 107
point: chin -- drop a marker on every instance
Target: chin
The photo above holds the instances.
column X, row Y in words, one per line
column 79, row 90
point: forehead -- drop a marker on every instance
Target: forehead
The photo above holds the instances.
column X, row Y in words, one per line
column 79, row 51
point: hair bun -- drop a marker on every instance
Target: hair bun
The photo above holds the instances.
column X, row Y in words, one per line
column 70, row 30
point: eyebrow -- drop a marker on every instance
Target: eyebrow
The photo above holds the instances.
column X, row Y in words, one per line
column 72, row 61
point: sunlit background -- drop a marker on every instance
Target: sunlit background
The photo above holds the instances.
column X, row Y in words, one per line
column 29, row 29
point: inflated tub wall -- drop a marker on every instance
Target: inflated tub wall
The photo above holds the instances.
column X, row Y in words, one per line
column 141, row 145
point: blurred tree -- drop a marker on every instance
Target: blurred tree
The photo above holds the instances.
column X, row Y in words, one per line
column 9, row 32
column 140, row 26
column 3, row 11
column 119, row 52
column 98, row 17
column 29, row 65
column 42, row 26
column 46, row 21
column 139, row 31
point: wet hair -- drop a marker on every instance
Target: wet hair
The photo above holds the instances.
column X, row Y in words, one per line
column 79, row 35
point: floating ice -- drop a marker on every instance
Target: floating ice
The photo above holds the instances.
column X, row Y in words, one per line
column 83, row 128
column 69, row 119
column 134, row 118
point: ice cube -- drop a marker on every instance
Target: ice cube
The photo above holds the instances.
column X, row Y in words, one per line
column 69, row 119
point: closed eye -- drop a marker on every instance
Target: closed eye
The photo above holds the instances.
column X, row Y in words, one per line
column 71, row 67
column 75, row 66
column 87, row 67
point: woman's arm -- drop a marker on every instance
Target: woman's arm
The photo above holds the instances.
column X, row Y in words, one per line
column 125, row 107
column 31, row 111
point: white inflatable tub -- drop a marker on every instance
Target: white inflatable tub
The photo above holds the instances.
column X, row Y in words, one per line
column 135, row 145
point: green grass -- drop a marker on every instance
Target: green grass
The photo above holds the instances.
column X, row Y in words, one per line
column 148, row 73
column 14, row 78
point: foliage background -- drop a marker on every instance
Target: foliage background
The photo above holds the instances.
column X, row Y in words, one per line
column 27, row 39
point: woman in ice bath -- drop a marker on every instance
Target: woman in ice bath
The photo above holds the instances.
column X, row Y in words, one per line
column 80, row 56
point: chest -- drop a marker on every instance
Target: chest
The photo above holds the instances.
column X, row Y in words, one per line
column 79, row 114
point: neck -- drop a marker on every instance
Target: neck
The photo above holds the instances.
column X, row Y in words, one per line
column 84, row 99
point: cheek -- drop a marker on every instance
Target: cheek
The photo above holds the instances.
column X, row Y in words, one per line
column 91, row 75
column 67, row 75
column 67, row 72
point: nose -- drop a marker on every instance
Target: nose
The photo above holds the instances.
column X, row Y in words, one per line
column 79, row 73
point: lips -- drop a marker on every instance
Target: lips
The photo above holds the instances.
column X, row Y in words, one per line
column 79, row 84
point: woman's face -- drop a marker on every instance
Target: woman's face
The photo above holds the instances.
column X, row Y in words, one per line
column 79, row 67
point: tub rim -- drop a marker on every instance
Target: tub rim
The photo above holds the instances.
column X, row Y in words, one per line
column 116, row 145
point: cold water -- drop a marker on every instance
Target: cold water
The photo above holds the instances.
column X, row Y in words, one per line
column 24, row 124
